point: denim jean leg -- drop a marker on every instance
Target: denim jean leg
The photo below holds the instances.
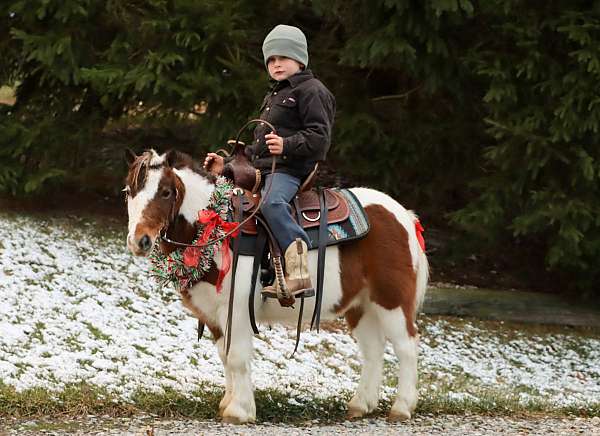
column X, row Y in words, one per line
column 277, row 210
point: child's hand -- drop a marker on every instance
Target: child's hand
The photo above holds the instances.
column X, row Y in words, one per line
column 275, row 143
column 214, row 163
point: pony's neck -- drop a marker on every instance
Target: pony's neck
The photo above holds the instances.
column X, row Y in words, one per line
column 197, row 193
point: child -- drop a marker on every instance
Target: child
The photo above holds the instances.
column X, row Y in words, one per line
column 301, row 109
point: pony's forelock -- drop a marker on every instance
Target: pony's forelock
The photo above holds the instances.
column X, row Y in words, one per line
column 138, row 171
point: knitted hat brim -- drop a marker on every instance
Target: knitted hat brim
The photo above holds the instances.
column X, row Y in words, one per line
column 287, row 48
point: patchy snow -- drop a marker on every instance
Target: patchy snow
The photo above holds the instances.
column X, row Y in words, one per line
column 75, row 306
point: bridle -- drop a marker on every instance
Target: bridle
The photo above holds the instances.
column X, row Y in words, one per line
column 238, row 192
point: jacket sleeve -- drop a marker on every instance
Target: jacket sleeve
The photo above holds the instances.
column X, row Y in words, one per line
column 317, row 110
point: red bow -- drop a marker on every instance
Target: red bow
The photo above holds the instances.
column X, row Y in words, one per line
column 211, row 220
column 419, row 230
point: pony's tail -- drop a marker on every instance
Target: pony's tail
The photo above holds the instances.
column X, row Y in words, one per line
column 422, row 279
column 422, row 264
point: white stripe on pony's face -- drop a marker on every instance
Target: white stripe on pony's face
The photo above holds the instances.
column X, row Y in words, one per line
column 136, row 206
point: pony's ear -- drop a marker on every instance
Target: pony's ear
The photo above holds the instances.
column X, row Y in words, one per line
column 130, row 156
column 171, row 158
column 176, row 159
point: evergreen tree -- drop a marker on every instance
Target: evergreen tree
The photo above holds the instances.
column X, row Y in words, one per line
column 87, row 65
column 487, row 110
column 541, row 185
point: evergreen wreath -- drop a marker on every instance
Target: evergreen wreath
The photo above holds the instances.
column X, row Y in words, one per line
column 185, row 267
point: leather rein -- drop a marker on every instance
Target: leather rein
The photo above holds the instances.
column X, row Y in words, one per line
column 236, row 191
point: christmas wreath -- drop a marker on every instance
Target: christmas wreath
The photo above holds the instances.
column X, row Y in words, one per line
column 185, row 267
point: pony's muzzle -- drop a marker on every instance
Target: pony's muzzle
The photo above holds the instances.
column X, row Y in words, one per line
column 145, row 243
column 141, row 246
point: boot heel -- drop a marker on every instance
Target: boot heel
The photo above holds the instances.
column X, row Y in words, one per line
column 268, row 294
column 304, row 293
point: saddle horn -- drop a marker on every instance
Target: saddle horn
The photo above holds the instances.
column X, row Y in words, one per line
column 239, row 169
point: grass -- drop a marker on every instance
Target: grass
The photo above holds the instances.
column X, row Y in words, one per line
column 38, row 333
column 96, row 332
column 509, row 330
column 80, row 400
column 272, row 406
column 107, row 229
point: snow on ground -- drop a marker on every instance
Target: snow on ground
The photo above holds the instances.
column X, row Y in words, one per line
column 75, row 306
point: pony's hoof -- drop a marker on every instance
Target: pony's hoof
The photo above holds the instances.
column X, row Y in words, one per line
column 237, row 420
column 398, row 416
column 359, row 406
column 223, row 404
column 236, row 415
column 232, row 420
column 355, row 413
column 402, row 409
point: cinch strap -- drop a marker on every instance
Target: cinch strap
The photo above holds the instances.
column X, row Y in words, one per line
column 323, row 235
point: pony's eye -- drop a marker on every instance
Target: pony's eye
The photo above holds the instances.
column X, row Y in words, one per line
column 166, row 193
column 126, row 190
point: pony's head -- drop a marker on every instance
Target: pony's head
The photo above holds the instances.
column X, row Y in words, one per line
column 156, row 188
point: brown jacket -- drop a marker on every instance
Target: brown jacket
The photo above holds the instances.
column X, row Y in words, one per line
column 302, row 110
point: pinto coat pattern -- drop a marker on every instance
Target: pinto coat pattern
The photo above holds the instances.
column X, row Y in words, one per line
column 377, row 283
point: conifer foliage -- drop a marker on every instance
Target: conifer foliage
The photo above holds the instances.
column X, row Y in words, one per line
column 541, row 67
column 485, row 112
column 85, row 67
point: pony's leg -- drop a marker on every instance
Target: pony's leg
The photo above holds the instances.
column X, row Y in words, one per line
column 371, row 341
column 240, row 408
column 406, row 350
column 228, row 383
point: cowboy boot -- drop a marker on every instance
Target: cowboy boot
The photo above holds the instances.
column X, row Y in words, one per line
column 296, row 282
column 296, row 266
column 279, row 287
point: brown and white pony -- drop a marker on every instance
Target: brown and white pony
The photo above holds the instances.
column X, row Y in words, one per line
column 377, row 283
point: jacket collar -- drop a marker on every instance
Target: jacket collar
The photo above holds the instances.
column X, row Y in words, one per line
column 295, row 80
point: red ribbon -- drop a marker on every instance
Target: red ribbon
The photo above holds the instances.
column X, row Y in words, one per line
column 211, row 220
column 419, row 230
column 225, row 255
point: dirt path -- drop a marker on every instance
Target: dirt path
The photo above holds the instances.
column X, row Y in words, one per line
column 421, row 425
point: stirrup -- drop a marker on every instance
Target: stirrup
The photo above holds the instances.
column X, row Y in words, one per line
column 300, row 293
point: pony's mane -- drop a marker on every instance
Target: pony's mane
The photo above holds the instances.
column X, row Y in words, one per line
column 138, row 170
column 178, row 160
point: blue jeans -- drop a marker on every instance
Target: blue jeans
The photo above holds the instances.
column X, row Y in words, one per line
column 277, row 210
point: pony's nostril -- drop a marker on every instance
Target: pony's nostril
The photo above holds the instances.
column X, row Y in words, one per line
column 145, row 243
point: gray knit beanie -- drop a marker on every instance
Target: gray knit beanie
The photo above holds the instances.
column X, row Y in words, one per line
column 288, row 41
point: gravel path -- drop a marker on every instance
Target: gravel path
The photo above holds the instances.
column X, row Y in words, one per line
column 423, row 425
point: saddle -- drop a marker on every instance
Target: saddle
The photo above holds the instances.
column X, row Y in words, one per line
column 305, row 209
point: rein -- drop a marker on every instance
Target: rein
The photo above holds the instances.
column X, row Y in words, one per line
column 236, row 191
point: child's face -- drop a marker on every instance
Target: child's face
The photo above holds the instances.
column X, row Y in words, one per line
column 280, row 67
